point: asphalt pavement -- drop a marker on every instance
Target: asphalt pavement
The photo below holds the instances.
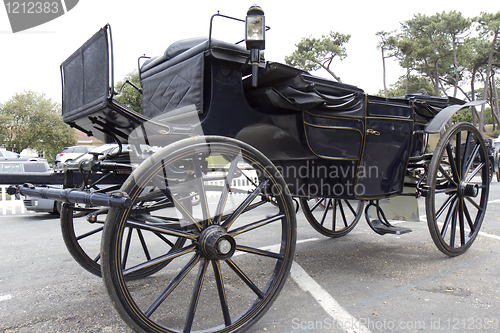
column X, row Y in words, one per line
column 361, row 282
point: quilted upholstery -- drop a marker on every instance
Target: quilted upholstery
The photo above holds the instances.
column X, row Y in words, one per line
column 174, row 87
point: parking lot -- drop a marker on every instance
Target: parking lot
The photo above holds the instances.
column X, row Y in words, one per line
column 362, row 282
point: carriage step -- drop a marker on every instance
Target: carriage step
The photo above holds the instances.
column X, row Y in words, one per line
column 381, row 228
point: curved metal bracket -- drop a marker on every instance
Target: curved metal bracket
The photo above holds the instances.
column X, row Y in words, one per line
column 437, row 123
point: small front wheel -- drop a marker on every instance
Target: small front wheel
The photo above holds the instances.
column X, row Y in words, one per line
column 332, row 217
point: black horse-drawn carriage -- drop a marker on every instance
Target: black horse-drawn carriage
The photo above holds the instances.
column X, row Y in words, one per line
column 200, row 235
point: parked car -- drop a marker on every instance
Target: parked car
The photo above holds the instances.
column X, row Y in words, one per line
column 5, row 154
column 42, row 205
column 70, row 153
column 21, row 166
column 104, row 149
column 10, row 166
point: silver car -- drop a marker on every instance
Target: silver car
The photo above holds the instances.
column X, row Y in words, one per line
column 70, row 153
column 38, row 166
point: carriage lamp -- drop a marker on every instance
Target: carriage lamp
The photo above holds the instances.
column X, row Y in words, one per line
column 255, row 38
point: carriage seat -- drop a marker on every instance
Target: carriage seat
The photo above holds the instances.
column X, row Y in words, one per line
column 185, row 49
column 174, row 80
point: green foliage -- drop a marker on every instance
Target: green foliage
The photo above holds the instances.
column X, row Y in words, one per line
column 433, row 46
column 129, row 96
column 316, row 53
column 466, row 115
column 29, row 120
column 415, row 84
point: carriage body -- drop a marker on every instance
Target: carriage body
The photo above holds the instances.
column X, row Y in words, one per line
column 328, row 139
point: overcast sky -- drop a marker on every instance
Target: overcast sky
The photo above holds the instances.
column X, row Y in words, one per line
column 30, row 60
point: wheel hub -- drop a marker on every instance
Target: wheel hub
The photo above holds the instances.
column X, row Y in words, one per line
column 216, row 243
column 469, row 190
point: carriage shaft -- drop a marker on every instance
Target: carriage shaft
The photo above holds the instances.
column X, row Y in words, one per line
column 116, row 199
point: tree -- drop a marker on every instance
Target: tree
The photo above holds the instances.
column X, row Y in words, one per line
column 30, row 120
column 407, row 85
column 453, row 25
column 489, row 27
column 433, row 47
column 387, row 46
column 129, row 95
column 316, row 53
column 475, row 59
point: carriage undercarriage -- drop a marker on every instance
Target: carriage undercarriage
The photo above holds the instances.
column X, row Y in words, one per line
column 200, row 235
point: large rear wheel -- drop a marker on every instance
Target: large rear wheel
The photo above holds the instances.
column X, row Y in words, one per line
column 239, row 245
column 458, row 187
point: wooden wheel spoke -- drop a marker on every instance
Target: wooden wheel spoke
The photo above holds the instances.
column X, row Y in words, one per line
column 222, row 292
column 444, row 205
column 446, row 190
column 260, row 252
column 453, row 166
column 127, row 248
column 343, row 214
column 449, row 214
column 196, row 296
column 166, row 240
column 225, row 190
column 466, row 152
column 471, row 159
column 256, row 224
column 350, row 207
column 317, row 204
column 230, row 220
column 446, row 175
column 472, row 226
column 201, row 189
column 461, row 222
column 178, row 205
column 325, row 213
column 161, row 230
column 173, row 284
column 334, row 212
column 474, row 203
column 143, row 244
column 474, row 172
column 458, row 154
column 245, row 278
column 453, row 227
column 90, row 233
column 166, row 257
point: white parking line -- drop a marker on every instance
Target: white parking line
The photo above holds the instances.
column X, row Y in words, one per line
column 489, row 235
column 343, row 318
column 5, row 297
